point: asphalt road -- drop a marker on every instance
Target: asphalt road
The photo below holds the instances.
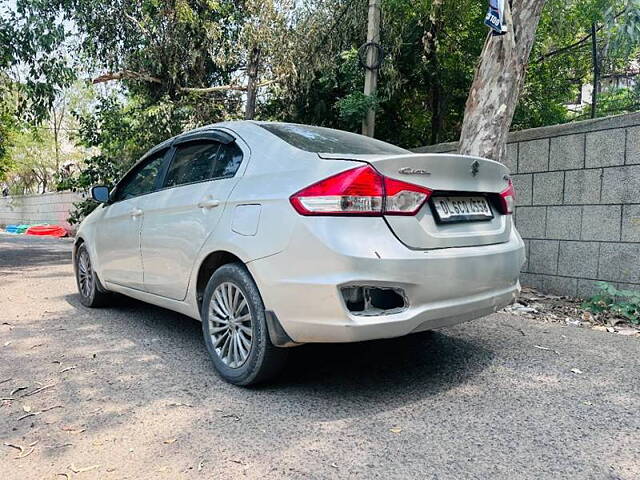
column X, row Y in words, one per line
column 134, row 396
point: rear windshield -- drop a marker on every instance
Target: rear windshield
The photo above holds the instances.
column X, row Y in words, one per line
column 328, row 140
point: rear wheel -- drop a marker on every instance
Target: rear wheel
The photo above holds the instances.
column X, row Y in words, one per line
column 235, row 329
column 91, row 292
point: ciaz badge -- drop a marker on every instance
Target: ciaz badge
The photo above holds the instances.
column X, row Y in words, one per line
column 413, row 171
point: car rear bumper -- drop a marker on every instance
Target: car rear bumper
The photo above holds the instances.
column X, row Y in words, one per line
column 302, row 285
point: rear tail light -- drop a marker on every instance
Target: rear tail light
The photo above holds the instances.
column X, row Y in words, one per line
column 360, row 191
column 508, row 199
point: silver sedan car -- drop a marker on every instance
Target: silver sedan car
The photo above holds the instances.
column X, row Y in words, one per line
column 275, row 235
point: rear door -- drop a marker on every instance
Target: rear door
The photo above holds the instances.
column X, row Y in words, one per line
column 464, row 207
column 181, row 216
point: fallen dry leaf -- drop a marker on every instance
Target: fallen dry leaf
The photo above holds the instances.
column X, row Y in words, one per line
column 25, row 454
column 170, row 441
column 395, row 430
column 38, row 390
column 547, row 349
column 33, row 414
column 73, row 430
column 75, row 469
column 15, row 390
column 50, row 408
column 64, row 445
column 17, row 447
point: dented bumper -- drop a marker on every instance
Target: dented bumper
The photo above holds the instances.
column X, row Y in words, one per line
column 303, row 285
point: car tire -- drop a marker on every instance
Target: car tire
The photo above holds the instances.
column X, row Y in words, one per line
column 235, row 328
column 92, row 293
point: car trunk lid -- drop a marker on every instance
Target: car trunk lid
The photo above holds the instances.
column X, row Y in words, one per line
column 458, row 181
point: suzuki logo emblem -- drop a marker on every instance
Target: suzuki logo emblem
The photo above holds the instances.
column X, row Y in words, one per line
column 475, row 166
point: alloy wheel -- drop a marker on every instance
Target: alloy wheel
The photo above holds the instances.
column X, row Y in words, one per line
column 230, row 324
column 85, row 274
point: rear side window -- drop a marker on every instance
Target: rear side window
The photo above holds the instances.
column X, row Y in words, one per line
column 328, row 140
column 199, row 161
column 193, row 162
column 228, row 161
column 143, row 179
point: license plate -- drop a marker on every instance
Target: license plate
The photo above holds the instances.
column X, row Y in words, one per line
column 461, row 209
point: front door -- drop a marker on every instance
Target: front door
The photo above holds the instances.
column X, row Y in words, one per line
column 118, row 233
column 179, row 218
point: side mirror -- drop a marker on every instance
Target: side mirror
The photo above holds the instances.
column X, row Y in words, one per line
column 100, row 194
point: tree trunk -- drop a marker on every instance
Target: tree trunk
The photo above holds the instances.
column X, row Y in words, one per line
column 430, row 42
column 498, row 82
column 252, row 89
column 596, row 70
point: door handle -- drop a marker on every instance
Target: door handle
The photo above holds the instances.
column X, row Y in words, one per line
column 208, row 203
column 136, row 212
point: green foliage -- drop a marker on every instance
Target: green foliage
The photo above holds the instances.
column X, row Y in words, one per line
column 622, row 18
column 619, row 100
column 32, row 161
column 354, row 107
column 418, row 77
column 623, row 303
column 119, row 133
column 33, row 41
column 7, row 126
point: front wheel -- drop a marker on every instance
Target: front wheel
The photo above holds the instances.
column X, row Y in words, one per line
column 91, row 293
column 235, row 329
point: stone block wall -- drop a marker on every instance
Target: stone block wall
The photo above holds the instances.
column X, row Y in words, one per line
column 52, row 208
column 578, row 203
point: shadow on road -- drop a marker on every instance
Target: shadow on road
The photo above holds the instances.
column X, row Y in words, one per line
column 395, row 372
column 28, row 252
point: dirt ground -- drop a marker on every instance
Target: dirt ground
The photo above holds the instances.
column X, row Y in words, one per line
column 128, row 392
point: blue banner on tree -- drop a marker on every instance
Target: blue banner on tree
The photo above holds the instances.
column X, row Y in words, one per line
column 495, row 17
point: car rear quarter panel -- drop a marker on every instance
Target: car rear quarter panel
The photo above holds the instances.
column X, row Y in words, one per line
column 275, row 171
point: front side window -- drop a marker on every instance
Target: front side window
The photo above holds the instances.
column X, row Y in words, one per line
column 143, row 179
column 193, row 162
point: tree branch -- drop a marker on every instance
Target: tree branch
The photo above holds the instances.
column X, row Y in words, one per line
column 577, row 44
column 222, row 88
column 130, row 75
column 553, row 53
column 124, row 75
